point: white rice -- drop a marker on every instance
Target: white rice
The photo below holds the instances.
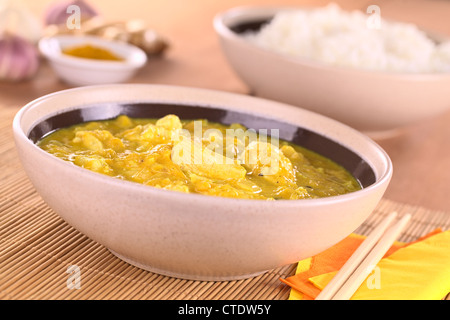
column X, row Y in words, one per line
column 333, row 36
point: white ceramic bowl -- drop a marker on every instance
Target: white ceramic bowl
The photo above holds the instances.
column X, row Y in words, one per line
column 81, row 71
column 368, row 101
column 190, row 235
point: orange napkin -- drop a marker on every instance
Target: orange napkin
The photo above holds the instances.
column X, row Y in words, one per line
column 329, row 261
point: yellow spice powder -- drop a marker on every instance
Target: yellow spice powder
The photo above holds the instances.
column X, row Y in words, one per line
column 92, row 52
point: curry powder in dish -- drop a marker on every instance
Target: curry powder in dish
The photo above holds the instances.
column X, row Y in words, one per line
column 89, row 51
column 199, row 157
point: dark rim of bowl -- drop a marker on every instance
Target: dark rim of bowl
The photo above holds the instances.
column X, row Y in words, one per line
column 253, row 25
column 352, row 162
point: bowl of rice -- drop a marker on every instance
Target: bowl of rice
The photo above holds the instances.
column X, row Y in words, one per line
column 372, row 74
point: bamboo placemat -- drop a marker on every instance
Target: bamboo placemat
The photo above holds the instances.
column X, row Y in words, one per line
column 37, row 247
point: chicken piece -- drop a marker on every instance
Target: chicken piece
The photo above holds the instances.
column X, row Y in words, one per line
column 264, row 159
column 97, row 140
column 292, row 154
column 291, row 193
column 123, row 121
column 93, row 163
column 193, row 157
column 153, row 165
column 211, row 187
column 163, row 132
column 168, row 184
column 88, row 140
column 170, row 122
column 145, row 137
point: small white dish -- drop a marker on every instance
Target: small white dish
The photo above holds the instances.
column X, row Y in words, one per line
column 83, row 71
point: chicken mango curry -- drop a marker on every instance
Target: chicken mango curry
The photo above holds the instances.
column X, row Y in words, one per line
column 199, row 157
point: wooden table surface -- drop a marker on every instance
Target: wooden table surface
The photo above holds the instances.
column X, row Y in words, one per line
column 421, row 154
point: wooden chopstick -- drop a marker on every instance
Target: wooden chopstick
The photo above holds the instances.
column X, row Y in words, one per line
column 349, row 278
column 355, row 260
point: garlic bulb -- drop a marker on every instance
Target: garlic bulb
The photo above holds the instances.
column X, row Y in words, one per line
column 150, row 41
column 19, row 59
column 57, row 13
column 17, row 19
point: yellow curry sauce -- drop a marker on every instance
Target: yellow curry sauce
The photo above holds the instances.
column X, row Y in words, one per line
column 168, row 153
